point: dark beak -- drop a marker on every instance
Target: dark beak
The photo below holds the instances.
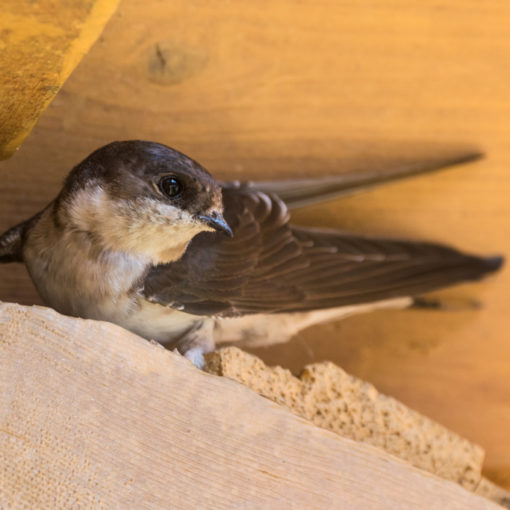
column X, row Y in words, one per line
column 215, row 220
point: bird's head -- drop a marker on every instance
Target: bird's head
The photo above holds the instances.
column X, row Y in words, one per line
column 142, row 198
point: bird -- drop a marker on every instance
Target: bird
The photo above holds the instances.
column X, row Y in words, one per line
column 143, row 236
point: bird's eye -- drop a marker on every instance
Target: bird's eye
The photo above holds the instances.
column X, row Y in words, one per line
column 170, row 186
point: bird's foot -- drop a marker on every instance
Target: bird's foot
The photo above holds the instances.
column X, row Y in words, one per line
column 196, row 356
column 197, row 341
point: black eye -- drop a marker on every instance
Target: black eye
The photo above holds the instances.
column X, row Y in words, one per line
column 170, row 186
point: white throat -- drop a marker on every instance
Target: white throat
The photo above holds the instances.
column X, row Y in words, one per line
column 144, row 226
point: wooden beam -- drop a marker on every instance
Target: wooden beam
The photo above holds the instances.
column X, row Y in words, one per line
column 94, row 416
column 334, row 400
column 41, row 43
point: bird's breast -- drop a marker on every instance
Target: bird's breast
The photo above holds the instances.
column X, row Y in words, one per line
column 78, row 278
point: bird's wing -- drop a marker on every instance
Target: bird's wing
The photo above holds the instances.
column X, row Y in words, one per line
column 272, row 266
column 304, row 192
column 11, row 241
column 11, row 244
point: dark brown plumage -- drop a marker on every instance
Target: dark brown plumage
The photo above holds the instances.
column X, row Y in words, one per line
column 138, row 225
column 272, row 266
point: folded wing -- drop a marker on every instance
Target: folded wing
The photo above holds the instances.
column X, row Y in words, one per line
column 270, row 266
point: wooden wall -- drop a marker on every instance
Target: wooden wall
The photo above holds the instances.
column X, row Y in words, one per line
column 287, row 87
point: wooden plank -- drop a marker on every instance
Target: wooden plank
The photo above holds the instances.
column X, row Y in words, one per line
column 94, row 416
column 41, row 43
column 316, row 87
column 334, row 400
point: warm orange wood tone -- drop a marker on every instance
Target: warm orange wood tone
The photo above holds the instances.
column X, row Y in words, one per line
column 40, row 44
column 281, row 87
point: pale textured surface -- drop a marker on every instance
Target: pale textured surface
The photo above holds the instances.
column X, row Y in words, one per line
column 284, row 87
column 92, row 416
column 40, row 44
column 334, row 400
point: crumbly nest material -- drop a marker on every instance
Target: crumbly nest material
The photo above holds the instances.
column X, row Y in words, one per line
column 332, row 399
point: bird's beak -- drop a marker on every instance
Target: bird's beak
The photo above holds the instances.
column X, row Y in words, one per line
column 217, row 222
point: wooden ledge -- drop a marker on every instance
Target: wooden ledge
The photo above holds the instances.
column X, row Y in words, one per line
column 42, row 42
column 94, row 416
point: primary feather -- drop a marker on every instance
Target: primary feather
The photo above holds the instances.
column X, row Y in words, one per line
column 272, row 266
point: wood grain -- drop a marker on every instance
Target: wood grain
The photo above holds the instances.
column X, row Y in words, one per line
column 92, row 416
column 269, row 89
column 41, row 43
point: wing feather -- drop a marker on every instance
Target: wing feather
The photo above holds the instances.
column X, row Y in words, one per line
column 298, row 193
column 272, row 266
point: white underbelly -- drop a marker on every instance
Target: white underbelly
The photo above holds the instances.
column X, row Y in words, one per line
column 164, row 324
column 260, row 330
column 157, row 322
